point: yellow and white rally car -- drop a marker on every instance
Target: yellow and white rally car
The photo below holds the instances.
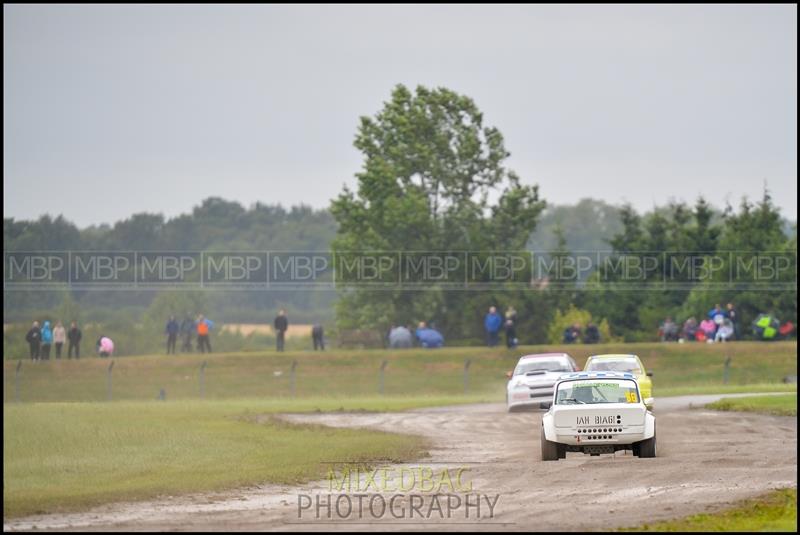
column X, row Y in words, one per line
column 624, row 363
column 596, row 413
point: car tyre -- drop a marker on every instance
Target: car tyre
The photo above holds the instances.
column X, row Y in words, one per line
column 550, row 450
column 647, row 448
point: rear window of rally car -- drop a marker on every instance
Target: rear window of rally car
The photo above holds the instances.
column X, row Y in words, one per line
column 590, row 392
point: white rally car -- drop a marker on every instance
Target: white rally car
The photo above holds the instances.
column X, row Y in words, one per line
column 597, row 412
column 533, row 379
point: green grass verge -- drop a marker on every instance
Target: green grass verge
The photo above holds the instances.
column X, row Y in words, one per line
column 779, row 405
column 726, row 389
column 677, row 368
column 69, row 456
column 777, row 511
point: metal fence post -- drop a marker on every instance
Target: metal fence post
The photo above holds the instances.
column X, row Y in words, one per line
column 202, row 379
column 110, row 367
column 383, row 369
column 466, row 375
column 292, row 375
column 726, row 371
column 16, row 381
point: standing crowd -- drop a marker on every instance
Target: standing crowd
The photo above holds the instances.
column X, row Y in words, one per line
column 719, row 325
column 187, row 329
column 41, row 339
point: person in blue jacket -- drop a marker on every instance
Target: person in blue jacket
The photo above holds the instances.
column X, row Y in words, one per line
column 492, row 323
column 429, row 338
column 47, row 340
column 717, row 311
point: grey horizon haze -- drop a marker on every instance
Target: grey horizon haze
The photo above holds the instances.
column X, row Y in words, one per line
column 114, row 110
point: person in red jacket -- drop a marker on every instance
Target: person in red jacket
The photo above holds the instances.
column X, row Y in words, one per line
column 203, row 342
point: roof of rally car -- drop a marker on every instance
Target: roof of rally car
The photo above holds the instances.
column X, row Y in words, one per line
column 597, row 375
column 539, row 355
column 614, row 356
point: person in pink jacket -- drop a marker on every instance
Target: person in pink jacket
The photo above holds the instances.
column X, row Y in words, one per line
column 709, row 327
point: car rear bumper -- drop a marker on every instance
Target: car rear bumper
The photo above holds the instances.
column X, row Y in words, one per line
column 601, row 436
column 528, row 402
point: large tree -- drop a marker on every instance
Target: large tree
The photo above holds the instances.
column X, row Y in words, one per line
column 433, row 178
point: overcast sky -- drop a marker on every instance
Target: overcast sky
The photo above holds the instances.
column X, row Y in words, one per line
column 113, row 110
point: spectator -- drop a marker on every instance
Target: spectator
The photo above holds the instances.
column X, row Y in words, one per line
column 511, row 334
column 429, row 338
column 400, row 337
column 74, row 337
column 47, row 340
column 203, row 328
column 59, row 337
column 724, row 331
column 172, row 329
column 510, row 326
column 734, row 317
column 318, row 337
column 492, row 323
column 669, row 330
column 105, row 346
column 717, row 314
column 689, row 329
column 187, row 329
column 709, row 329
column 511, row 314
column 766, row 327
column 592, row 334
column 572, row 333
column 34, row 339
column 281, row 326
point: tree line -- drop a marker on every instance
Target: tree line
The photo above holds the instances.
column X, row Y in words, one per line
column 434, row 177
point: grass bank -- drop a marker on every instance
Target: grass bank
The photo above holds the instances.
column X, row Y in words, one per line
column 776, row 511
column 677, row 369
column 778, row 405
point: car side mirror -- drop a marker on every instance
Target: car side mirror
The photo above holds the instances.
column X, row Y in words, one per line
column 508, row 375
column 649, row 374
column 545, row 405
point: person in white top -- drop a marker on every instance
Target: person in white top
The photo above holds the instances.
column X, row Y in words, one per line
column 59, row 337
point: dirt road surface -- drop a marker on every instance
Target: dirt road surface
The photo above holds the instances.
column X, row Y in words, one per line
column 707, row 460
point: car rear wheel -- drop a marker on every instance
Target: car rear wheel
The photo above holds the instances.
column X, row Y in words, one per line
column 550, row 450
column 647, row 448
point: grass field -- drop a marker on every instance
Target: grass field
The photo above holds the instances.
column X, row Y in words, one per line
column 780, row 405
column 776, row 511
column 68, row 456
column 677, row 368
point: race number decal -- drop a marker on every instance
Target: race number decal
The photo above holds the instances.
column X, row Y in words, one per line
column 631, row 395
